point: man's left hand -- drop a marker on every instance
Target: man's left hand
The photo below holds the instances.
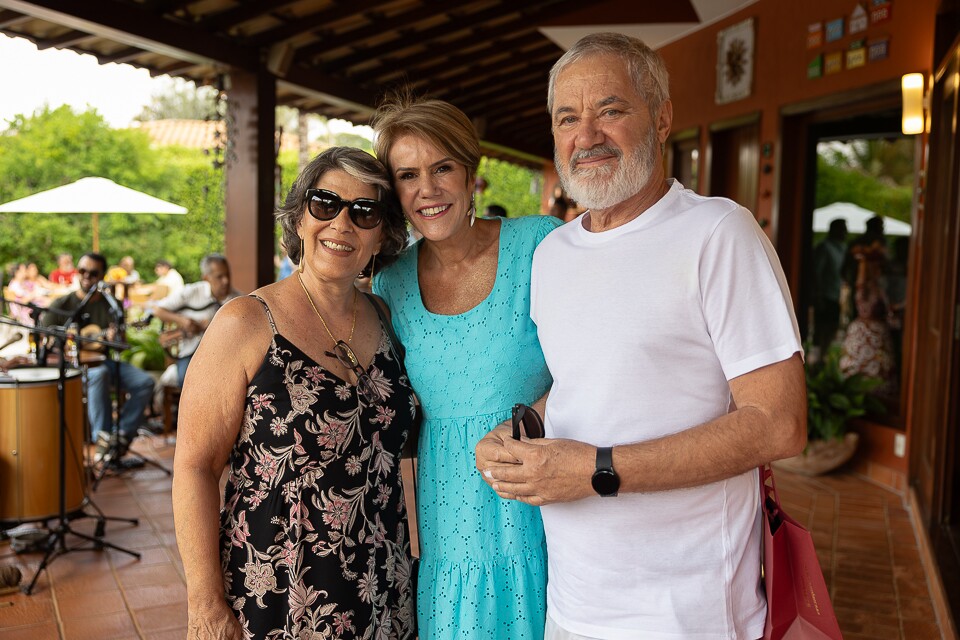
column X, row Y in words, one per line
column 549, row 470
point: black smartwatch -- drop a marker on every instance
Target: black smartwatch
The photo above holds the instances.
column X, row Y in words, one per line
column 605, row 480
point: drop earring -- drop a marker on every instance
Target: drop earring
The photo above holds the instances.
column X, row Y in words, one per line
column 473, row 211
column 300, row 266
column 373, row 264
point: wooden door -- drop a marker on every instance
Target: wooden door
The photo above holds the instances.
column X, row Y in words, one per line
column 735, row 163
column 933, row 472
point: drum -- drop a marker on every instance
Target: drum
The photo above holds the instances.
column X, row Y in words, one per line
column 30, row 444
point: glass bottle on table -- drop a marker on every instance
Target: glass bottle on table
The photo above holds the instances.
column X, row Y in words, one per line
column 70, row 349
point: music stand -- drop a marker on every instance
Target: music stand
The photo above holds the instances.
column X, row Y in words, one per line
column 57, row 541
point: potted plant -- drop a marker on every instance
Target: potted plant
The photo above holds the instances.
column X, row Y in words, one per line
column 833, row 399
column 145, row 350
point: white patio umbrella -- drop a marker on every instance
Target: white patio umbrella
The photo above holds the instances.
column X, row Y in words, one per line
column 94, row 196
column 856, row 217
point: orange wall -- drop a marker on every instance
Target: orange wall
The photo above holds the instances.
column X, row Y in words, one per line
column 780, row 65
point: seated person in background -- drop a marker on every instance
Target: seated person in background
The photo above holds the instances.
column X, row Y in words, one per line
column 168, row 276
column 103, row 317
column 115, row 273
column 34, row 276
column 64, row 274
column 133, row 276
column 193, row 306
column 122, row 276
column 495, row 211
column 24, row 289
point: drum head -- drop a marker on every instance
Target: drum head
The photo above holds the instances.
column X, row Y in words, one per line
column 26, row 375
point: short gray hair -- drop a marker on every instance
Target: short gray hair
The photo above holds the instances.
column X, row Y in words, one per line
column 207, row 262
column 645, row 66
column 360, row 165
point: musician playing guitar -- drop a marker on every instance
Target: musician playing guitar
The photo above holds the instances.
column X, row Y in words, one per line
column 91, row 306
column 193, row 307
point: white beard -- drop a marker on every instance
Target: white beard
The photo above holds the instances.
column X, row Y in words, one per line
column 606, row 186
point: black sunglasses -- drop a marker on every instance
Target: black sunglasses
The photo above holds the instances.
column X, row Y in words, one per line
column 93, row 273
column 345, row 355
column 530, row 420
column 326, row 205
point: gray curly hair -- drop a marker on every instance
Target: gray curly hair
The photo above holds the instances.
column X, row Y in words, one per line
column 365, row 168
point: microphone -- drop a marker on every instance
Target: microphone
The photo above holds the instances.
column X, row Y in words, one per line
column 16, row 337
column 105, row 291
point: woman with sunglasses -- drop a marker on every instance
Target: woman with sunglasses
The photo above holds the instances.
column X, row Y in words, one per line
column 296, row 388
column 461, row 305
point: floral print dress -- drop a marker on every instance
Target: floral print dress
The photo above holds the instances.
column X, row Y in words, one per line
column 313, row 533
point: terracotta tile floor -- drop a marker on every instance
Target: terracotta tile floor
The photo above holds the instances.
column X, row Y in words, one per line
column 866, row 544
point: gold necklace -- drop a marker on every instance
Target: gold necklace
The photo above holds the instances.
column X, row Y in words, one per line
column 324, row 322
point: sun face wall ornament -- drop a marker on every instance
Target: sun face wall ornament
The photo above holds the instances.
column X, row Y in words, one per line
column 735, row 62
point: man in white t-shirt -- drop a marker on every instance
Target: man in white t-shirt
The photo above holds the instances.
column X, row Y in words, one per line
column 668, row 328
column 193, row 306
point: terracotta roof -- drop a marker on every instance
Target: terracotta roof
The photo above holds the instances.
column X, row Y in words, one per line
column 196, row 134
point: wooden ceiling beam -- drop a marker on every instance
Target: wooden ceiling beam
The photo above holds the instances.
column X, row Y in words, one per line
column 507, row 103
column 141, row 31
column 472, row 23
column 494, row 70
column 225, row 20
column 173, row 70
column 377, row 26
column 529, row 139
column 526, row 119
column 527, row 15
column 11, row 18
column 67, row 39
column 306, row 24
column 162, row 7
column 511, row 82
column 392, row 65
column 136, row 27
column 417, row 65
column 119, row 57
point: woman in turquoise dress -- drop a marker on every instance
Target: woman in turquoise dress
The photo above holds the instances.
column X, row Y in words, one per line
column 460, row 300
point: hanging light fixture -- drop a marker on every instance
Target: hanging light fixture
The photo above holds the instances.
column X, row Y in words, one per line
column 911, row 85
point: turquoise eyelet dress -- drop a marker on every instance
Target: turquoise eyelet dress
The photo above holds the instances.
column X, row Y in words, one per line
column 483, row 569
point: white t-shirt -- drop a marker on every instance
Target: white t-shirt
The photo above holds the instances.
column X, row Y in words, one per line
column 642, row 326
column 195, row 301
column 172, row 280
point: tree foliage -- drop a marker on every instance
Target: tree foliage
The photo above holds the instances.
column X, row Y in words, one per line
column 180, row 100
column 513, row 187
column 54, row 147
column 840, row 184
column 874, row 174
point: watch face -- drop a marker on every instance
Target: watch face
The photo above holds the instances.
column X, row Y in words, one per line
column 605, row 482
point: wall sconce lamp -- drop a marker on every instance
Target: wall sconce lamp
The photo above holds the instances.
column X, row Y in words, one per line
column 911, row 85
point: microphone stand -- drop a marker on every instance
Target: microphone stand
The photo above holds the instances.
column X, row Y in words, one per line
column 57, row 542
column 112, row 459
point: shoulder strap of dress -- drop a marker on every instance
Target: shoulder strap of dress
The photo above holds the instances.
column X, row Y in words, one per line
column 397, row 346
column 266, row 308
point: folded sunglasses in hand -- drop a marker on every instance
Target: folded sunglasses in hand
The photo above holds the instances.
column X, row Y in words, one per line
column 529, row 419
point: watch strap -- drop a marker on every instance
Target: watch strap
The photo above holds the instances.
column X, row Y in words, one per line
column 604, row 458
